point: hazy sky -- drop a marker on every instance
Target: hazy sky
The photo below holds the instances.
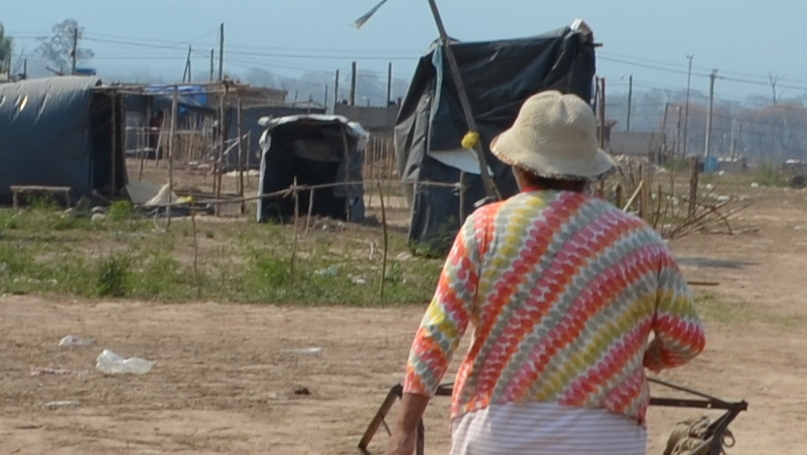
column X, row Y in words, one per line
column 743, row 39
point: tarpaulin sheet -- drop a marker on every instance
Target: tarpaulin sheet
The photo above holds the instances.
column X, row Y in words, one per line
column 45, row 133
column 498, row 76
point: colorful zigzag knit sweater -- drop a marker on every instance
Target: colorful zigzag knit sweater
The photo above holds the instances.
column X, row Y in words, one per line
column 563, row 291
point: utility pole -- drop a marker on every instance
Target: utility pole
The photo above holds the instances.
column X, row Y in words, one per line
column 733, row 140
column 25, row 69
column 221, row 52
column 686, row 108
column 335, row 92
column 389, row 84
column 630, row 99
column 325, row 103
column 212, row 65
column 712, row 77
column 187, row 73
column 74, row 53
column 353, row 78
column 678, row 132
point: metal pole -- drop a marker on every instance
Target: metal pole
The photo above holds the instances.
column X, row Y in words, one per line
column 221, row 52
column 490, row 187
column 707, row 146
column 630, row 99
column 686, row 108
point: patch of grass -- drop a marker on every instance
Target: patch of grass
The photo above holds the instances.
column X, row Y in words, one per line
column 48, row 253
column 733, row 312
column 111, row 276
column 768, row 175
column 119, row 211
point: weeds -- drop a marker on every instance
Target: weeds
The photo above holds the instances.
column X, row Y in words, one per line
column 43, row 251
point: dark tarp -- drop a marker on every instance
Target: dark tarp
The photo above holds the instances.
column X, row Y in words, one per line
column 310, row 149
column 57, row 131
column 498, row 76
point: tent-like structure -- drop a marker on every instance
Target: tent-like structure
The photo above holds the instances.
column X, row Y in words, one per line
column 313, row 150
column 498, row 76
column 61, row 131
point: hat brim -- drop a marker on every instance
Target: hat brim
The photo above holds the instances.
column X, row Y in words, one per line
column 591, row 168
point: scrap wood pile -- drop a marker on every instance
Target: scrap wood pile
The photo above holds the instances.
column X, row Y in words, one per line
column 674, row 208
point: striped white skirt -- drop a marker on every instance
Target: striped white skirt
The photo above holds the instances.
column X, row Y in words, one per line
column 546, row 429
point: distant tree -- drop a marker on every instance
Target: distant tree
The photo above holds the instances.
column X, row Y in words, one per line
column 5, row 50
column 58, row 49
column 260, row 78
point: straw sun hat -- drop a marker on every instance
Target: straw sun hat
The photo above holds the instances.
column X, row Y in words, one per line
column 554, row 136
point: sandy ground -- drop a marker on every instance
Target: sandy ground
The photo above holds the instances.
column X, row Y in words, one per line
column 225, row 380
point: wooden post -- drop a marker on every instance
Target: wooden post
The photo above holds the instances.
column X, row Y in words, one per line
column 113, row 149
column 296, row 217
column 369, row 159
column 389, row 85
column 353, row 78
column 646, row 208
column 310, row 211
column 462, row 197
column 147, row 125
column 618, row 195
column 491, row 191
column 346, row 153
column 693, row 185
column 386, row 240
column 336, row 92
column 240, row 155
column 223, row 142
column 174, row 111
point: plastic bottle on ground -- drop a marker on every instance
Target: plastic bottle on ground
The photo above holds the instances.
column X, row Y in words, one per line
column 109, row 362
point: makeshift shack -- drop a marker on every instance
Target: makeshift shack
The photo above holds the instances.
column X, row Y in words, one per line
column 498, row 76
column 61, row 132
column 323, row 151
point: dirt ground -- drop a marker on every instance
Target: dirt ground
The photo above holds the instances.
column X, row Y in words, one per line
column 226, row 375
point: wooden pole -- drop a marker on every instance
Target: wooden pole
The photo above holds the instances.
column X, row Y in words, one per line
column 491, row 191
column 693, row 186
column 310, row 211
column 336, row 91
column 174, row 111
column 296, row 217
column 223, row 142
column 353, row 78
column 114, row 147
column 462, row 197
column 386, row 240
column 240, row 154
column 389, row 84
column 346, row 153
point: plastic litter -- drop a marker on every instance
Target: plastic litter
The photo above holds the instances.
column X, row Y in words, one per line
column 61, row 404
column 311, row 350
column 330, row 271
column 109, row 362
column 75, row 340
column 42, row 371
